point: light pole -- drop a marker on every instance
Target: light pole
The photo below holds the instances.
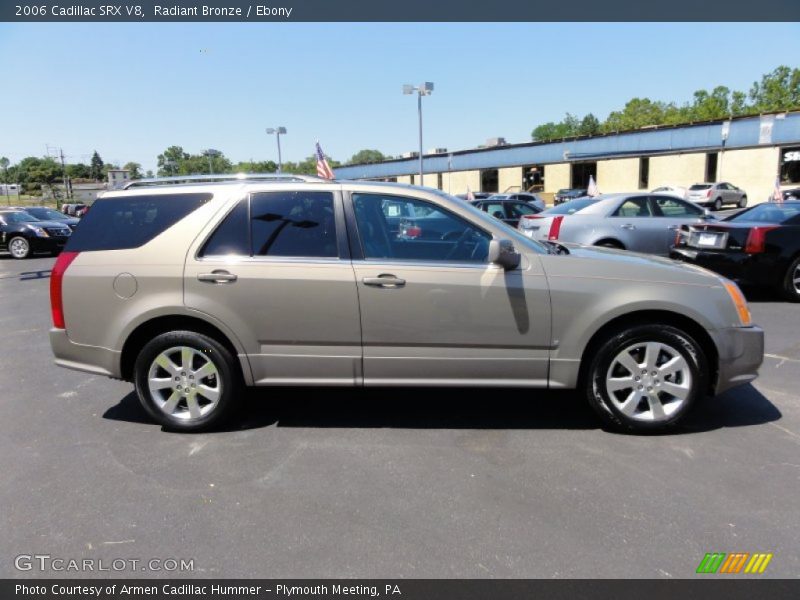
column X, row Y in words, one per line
column 424, row 89
column 211, row 153
column 277, row 131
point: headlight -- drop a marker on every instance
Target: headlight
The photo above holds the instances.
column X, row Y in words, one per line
column 739, row 302
column 39, row 231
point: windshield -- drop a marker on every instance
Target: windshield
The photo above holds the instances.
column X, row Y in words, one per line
column 570, row 207
column 700, row 186
column 499, row 197
column 768, row 213
column 46, row 213
column 18, row 217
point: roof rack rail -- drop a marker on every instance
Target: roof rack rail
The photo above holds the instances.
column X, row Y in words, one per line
column 221, row 178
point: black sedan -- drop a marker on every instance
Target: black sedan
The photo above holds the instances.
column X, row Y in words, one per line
column 508, row 211
column 758, row 246
column 566, row 195
column 48, row 214
column 23, row 234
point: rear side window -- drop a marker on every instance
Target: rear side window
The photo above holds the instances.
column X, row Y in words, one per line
column 131, row 221
column 230, row 238
column 300, row 224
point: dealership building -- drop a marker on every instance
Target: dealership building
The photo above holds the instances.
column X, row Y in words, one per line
column 748, row 152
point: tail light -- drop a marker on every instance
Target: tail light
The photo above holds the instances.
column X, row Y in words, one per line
column 525, row 221
column 56, row 279
column 414, row 231
column 756, row 239
column 708, row 193
column 555, row 228
column 678, row 236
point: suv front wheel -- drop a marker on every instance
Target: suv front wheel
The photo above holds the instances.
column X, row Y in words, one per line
column 186, row 381
column 646, row 378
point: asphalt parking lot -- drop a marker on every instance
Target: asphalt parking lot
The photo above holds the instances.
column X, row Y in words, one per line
column 389, row 483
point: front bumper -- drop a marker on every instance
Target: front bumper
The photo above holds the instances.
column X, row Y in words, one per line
column 741, row 352
column 48, row 244
column 90, row 359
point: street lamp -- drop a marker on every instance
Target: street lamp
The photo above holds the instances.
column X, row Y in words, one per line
column 209, row 154
column 424, row 89
column 277, row 131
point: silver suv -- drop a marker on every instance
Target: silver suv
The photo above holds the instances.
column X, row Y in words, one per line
column 193, row 291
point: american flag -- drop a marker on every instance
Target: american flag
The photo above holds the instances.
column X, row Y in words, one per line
column 777, row 196
column 323, row 168
column 592, row 189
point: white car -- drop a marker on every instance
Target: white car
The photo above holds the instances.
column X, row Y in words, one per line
column 676, row 190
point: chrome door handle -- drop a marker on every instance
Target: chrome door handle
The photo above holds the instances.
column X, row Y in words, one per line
column 384, row 280
column 629, row 226
column 217, row 276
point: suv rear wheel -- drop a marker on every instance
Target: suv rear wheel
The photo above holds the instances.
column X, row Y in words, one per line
column 646, row 378
column 186, row 381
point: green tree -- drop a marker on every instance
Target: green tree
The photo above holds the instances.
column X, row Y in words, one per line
column 589, row 125
column 4, row 162
column 777, row 91
column 135, row 169
column 263, row 166
column 169, row 162
column 96, row 165
column 149, row 174
column 79, row 171
column 367, row 156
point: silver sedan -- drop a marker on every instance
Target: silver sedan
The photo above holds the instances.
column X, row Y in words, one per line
column 639, row 222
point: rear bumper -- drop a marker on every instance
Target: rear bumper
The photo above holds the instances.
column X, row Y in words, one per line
column 90, row 359
column 748, row 269
column 741, row 352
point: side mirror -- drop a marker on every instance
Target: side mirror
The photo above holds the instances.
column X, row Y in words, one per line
column 503, row 254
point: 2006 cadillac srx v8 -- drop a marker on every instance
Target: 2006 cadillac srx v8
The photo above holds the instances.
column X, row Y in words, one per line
column 192, row 291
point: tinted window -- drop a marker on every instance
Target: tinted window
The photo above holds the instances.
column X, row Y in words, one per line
column 131, row 221
column 231, row 236
column 634, row 207
column 700, row 186
column 495, row 209
column 293, row 224
column 670, row 207
column 516, row 209
column 423, row 231
column 18, row 217
column 769, row 213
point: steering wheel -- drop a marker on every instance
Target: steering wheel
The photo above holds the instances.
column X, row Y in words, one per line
column 460, row 243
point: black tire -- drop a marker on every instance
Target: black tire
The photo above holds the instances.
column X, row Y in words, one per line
column 788, row 288
column 610, row 244
column 229, row 381
column 607, row 352
column 743, row 202
column 21, row 242
column 718, row 204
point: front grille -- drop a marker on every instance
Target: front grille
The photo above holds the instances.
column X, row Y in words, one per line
column 58, row 231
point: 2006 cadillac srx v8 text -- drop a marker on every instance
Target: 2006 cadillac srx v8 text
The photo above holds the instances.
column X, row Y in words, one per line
column 192, row 291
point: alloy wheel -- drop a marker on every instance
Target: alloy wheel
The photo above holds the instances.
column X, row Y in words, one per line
column 19, row 247
column 184, row 383
column 649, row 381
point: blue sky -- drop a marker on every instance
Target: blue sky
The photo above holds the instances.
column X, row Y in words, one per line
column 131, row 90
